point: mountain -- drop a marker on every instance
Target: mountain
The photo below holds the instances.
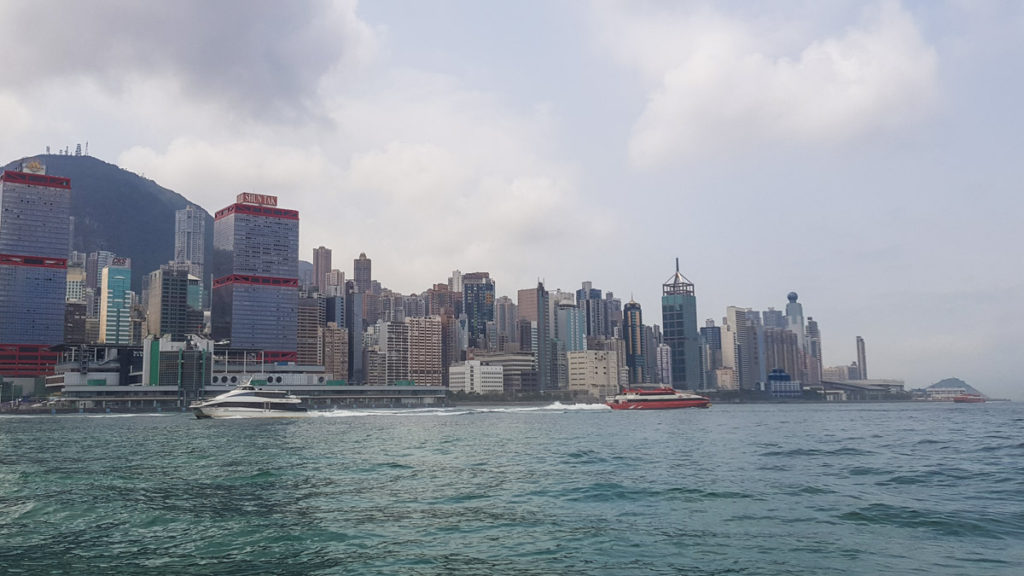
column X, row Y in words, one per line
column 954, row 383
column 120, row 211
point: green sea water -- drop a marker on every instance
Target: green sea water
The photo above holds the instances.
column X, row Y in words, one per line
column 736, row 489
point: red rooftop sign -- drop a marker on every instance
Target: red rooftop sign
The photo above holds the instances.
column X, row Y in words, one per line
column 261, row 199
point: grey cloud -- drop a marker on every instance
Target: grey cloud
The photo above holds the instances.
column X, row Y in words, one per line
column 259, row 57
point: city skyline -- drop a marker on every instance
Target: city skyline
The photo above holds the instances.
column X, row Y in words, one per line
column 892, row 216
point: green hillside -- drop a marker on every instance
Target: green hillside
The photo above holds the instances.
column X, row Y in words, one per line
column 120, row 211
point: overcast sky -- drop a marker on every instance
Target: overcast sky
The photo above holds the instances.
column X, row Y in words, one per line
column 866, row 155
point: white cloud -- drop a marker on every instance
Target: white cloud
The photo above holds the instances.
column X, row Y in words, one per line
column 718, row 83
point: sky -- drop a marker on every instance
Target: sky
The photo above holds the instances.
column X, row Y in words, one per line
column 865, row 155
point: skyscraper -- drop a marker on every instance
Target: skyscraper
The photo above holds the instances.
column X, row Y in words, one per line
column 679, row 328
column 116, row 304
column 633, row 335
column 361, row 273
column 862, row 359
column 34, row 236
column 533, row 308
column 814, row 363
column 478, row 304
column 589, row 300
column 321, row 268
column 256, row 291
column 190, row 239
column 170, row 310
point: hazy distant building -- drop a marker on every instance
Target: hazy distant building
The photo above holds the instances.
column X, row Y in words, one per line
column 664, row 363
column 478, row 304
column 505, row 334
column 321, row 268
column 256, row 286
column 814, row 361
column 190, row 239
column 740, row 351
column 782, row 352
column 711, row 341
column 632, row 334
column 862, row 359
column 361, row 273
column 34, row 236
column 679, row 330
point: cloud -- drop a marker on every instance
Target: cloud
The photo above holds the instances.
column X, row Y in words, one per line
column 718, row 83
column 257, row 57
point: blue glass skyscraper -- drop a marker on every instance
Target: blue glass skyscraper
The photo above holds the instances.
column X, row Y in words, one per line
column 34, row 234
column 679, row 330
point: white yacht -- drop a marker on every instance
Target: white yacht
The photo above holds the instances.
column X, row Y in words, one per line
column 248, row 401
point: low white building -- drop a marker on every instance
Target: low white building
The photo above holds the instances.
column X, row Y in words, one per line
column 595, row 372
column 474, row 377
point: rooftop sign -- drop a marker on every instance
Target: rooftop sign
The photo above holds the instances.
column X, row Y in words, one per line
column 261, row 199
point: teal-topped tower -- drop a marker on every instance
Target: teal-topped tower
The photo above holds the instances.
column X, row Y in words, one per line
column 679, row 330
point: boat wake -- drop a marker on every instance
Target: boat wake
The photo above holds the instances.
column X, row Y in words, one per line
column 555, row 407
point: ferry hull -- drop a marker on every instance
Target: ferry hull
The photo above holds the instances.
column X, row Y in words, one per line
column 234, row 412
column 663, row 405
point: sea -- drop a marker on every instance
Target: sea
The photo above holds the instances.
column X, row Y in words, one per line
column 900, row 488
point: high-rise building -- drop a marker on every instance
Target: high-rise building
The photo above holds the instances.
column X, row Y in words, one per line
column 711, row 341
column 478, row 304
column 335, row 352
column 171, row 309
column 534, row 307
column 425, row 350
column 34, row 237
column 862, row 359
column 633, row 335
column 795, row 321
column 321, row 268
column 190, row 239
column 311, row 319
column 361, row 273
column 256, row 291
column 394, row 344
column 782, row 352
column 740, row 351
column 116, row 304
column 592, row 305
column 814, row 362
column 665, row 364
column 679, row 327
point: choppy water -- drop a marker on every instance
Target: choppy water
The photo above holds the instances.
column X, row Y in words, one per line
column 752, row 489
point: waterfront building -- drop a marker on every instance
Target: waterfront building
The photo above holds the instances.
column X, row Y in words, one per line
column 116, row 299
column 190, row 239
column 173, row 307
column 361, row 273
column 34, row 236
column 679, row 326
column 862, row 359
column 633, row 337
column 518, row 370
column 425, row 335
column 356, row 325
column 594, row 373
column 473, row 377
column 394, row 345
column 256, row 291
column 478, row 305
column 616, row 346
column 321, row 268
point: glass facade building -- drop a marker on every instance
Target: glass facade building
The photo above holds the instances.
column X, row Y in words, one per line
column 256, row 286
column 679, row 331
column 34, row 238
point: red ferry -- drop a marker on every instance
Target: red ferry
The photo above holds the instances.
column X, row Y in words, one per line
column 968, row 398
column 656, row 399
